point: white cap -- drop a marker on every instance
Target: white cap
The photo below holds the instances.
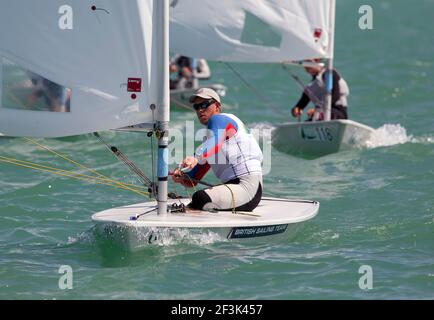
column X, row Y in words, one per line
column 205, row 93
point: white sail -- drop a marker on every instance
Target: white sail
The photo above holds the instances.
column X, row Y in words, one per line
column 77, row 68
column 251, row 30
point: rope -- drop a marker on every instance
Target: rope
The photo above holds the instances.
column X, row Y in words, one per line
column 306, row 89
column 233, row 198
column 189, row 194
column 119, row 155
column 103, row 177
column 211, row 186
column 74, row 175
column 176, row 193
column 65, row 158
column 192, row 181
column 69, row 174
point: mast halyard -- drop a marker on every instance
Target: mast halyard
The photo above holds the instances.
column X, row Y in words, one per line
column 163, row 102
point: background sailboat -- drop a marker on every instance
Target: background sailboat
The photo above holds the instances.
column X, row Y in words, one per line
column 271, row 32
column 109, row 69
column 182, row 88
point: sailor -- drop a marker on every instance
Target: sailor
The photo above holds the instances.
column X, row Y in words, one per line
column 186, row 72
column 230, row 151
column 316, row 87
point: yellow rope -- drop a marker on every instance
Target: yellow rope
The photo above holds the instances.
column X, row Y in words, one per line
column 33, row 164
column 233, row 198
column 100, row 179
column 64, row 157
column 78, row 176
column 73, row 175
column 122, row 185
column 233, row 201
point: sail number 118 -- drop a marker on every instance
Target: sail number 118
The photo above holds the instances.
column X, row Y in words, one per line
column 324, row 134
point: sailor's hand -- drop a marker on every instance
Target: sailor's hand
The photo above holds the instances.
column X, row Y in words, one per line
column 177, row 176
column 310, row 113
column 188, row 163
column 296, row 112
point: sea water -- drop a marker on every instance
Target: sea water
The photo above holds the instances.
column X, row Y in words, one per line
column 376, row 217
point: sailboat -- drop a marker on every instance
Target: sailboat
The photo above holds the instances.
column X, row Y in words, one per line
column 273, row 31
column 102, row 68
column 180, row 94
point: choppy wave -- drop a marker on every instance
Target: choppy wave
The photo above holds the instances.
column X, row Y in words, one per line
column 136, row 238
column 262, row 126
column 393, row 134
column 174, row 236
column 388, row 135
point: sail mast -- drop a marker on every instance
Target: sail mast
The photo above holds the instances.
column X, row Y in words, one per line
column 329, row 65
column 163, row 100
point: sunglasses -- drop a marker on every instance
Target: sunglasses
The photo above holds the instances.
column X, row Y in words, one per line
column 203, row 105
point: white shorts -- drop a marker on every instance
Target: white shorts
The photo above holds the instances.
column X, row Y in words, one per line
column 243, row 194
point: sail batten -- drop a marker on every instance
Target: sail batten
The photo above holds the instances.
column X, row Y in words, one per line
column 74, row 70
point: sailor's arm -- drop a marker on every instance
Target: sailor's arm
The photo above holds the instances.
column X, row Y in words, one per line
column 197, row 173
column 300, row 105
column 220, row 127
column 190, row 168
column 202, row 70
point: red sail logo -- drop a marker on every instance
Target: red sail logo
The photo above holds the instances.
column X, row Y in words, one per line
column 134, row 85
column 317, row 33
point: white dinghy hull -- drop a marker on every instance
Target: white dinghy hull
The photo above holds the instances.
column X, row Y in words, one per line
column 316, row 139
column 273, row 218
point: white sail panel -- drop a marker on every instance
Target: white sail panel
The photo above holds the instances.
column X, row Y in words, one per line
column 77, row 68
column 251, row 30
